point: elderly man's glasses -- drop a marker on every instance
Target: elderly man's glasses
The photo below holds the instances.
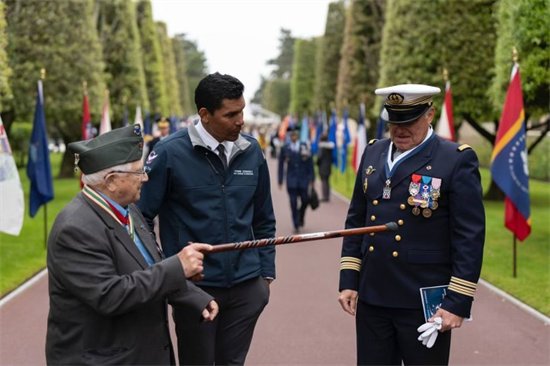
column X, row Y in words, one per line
column 139, row 173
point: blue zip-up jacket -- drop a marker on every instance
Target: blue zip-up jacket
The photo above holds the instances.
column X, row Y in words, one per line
column 197, row 201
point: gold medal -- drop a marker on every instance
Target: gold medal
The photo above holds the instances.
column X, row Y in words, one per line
column 427, row 213
column 416, row 211
column 410, row 200
column 424, row 204
column 435, row 205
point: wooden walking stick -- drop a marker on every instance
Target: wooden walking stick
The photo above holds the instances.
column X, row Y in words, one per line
column 390, row 226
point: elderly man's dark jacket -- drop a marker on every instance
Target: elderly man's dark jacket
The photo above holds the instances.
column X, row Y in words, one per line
column 107, row 306
column 389, row 268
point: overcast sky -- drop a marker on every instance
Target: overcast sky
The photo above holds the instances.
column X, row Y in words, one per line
column 239, row 36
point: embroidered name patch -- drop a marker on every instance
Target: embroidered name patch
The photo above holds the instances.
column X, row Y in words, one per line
column 243, row 172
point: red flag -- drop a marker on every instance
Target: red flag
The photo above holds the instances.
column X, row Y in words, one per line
column 509, row 167
column 445, row 127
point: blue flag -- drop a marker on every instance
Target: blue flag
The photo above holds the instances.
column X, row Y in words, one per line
column 318, row 131
column 381, row 126
column 332, row 138
column 39, row 169
column 147, row 125
column 346, row 140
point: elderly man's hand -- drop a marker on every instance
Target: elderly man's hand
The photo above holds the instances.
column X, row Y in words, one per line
column 449, row 320
column 210, row 312
column 191, row 258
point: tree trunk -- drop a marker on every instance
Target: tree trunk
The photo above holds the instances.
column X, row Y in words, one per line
column 67, row 165
column 494, row 193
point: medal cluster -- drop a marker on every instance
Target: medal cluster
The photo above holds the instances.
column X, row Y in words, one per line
column 424, row 193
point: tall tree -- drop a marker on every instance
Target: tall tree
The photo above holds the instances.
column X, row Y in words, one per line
column 5, row 70
column 170, row 74
column 303, row 76
column 181, row 69
column 360, row 54
column 196, row 65
column 276, row 96
column 119, row 35
column 283, row 63
column 328, row 56
column 39, row 39
column 152, row 59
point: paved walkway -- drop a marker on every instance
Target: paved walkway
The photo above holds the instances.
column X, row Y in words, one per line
column 303, row 323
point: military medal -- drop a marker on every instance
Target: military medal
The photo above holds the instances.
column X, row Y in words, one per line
column 386, row 192
column 435, row 205
column 416, row 211
column 436, row 188
column 410, row 200
column 414, row 186
column 427, row 213
column 365, row 185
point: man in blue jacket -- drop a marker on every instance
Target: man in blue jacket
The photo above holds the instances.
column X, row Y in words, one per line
column 210, row 183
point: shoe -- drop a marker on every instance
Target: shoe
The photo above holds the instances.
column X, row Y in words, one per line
column 296, row 231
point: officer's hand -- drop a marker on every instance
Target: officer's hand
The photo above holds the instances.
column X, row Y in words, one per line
column 450, row 320
column 210, row 312
column 191, row 258
column 348, row 301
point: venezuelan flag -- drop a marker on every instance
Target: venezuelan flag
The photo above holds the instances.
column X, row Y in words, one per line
column 509, row 167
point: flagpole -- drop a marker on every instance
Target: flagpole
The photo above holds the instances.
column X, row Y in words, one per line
column 42, row 77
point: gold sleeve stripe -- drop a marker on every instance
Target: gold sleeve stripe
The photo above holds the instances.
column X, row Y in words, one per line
column 461, row 290
column 351, row 266
column 350, row 259
column 460, row 281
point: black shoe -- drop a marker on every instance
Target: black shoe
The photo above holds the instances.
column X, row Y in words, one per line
column 296, row 231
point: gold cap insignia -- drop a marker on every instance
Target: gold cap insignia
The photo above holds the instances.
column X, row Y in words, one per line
column 395, row 98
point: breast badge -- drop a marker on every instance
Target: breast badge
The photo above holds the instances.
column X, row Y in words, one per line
column 365, row 185
column 424, row 192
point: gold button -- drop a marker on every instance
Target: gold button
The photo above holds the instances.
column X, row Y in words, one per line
column 402, row 206
column 371, row 234
column 398, row 238
column 375, row 202
column 395, row 254
column 372, row 218
column 371, row 249
column 400, row 222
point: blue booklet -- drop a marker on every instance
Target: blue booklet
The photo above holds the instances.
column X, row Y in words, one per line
column 432, row 297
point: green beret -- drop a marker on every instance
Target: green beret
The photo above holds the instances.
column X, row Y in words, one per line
column 116, row 147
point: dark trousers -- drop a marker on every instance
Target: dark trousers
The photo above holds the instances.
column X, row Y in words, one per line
column 226, row 340
column 325, row 188
column 388, row 336
column 298, row 214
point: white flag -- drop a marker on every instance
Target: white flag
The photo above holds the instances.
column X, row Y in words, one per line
column 445, row 127
column 12, row 204
column 105, row 125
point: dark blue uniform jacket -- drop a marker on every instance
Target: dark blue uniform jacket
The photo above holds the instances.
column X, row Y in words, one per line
column 299, row 172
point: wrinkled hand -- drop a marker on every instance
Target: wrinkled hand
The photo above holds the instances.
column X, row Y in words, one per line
column 348, row 301
column 210, row 312
column 429, row 331
column 449, row 320
column 191, row 258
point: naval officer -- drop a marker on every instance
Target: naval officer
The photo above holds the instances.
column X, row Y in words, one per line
column 431, row 187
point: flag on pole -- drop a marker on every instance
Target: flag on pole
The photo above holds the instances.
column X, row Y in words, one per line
column 509, row 167
column 105, row 125
column 445, row 127
column 304, row 130
column 332, row 138
column 318, row 127
column 39, row 169
column 345, row 141
column 87, row 128
column 360, row 139
column 12, row 208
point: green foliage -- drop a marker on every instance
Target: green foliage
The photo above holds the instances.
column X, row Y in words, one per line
column 303, row 76
column 418, row 43
column 60, row 37
column 152, row 58
column 178, row 43
column 170, row 74
column 119, row 35
column 276, row 96
column 284, row 62
column 523, row 24
column 358, row 74
column 5, row 70
column 196, row 65
column 20, row 136
column 328, row 56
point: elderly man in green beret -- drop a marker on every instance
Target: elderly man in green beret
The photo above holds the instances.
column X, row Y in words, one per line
column 108, row 284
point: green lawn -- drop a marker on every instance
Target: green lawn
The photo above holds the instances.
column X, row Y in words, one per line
column 532, row 284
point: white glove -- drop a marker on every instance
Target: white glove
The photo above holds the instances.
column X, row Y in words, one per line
column 429, row 332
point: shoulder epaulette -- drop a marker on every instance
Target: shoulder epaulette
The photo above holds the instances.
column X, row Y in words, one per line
column 464, row 147
column 372, row 141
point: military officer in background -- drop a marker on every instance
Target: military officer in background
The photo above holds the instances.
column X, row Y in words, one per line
column 299, row 175
column 431, row 187
column 163, row 126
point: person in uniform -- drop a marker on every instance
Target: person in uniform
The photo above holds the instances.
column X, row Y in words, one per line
column 108, row 284
column 300, row 175
column 210, row 183
column 163, row 126
column 324, row 165
column 432, row 189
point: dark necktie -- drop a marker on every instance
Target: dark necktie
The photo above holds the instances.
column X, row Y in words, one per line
column 221, row 150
